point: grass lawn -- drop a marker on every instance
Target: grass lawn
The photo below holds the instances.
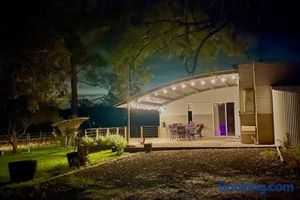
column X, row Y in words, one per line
column 52, row 161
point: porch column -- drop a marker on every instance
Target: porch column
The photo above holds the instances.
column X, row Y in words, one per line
column 255, row 101
column 128, row 122
column 142, row 132
column 97, row 134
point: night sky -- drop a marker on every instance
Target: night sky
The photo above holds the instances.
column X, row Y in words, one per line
column 274, row 48
column 271, row 48
column 277, row 39
column 267, row 48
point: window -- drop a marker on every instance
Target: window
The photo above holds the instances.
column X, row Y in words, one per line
column 190, row 113
column 248, row 101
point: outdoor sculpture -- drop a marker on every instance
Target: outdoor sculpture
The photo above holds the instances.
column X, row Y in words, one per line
column 67, row 130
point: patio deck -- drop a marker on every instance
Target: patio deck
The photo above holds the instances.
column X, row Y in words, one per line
column 159, row 144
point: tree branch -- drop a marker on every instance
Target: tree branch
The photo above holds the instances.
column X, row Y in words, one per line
column 9, row 127
column 18, row 131
column 80, row 69
column 139, row 52
column 88, row 83
column 24, row 130
column 176, row 37
column 85, row 53
column 196, row 23
column 186, row 62
column 203, row 42
column 101, row 98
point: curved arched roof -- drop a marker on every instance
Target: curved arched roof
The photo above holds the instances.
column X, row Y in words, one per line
column 166, row 93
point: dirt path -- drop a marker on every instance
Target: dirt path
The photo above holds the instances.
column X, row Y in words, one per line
column 193, row 174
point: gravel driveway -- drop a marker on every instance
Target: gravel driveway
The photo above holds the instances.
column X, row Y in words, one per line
column 192, row 174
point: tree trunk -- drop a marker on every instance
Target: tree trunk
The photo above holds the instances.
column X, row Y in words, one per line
column 14, row 141
column 74, row 80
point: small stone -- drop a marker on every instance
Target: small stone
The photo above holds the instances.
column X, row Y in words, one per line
column 269, row 173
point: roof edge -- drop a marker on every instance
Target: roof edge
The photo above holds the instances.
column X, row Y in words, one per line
column 189, row 78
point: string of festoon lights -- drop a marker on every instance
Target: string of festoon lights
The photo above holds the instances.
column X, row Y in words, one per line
column 211, row 81
column 145, row 107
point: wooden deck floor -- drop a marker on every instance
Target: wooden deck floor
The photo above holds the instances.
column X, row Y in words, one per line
column 159, row 144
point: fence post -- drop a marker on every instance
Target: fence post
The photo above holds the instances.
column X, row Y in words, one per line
column 97, row 134
column 85, row 132
column 117, row 130
column 142, row 132
column 158, row 131
column 28, row 138
column 107, row 131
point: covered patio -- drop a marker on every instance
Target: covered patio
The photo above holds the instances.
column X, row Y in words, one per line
column 151, row 134
column 242, row 104
column 210, row 100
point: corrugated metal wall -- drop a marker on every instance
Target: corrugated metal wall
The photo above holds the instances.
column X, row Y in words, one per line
column 266, row 75
column 286, row 109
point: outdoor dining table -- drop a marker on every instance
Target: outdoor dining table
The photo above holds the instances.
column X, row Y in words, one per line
column 183, row 132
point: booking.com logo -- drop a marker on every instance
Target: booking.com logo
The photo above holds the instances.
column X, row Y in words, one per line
column 256, row 187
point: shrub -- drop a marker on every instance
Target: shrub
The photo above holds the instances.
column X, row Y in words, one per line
column 298, row 152
column 116, row 141
column 105, row 140
column 87, row 141
column 120, row 143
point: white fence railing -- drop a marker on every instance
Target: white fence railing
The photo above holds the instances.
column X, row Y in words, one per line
column 43, row 137
column 97, row 132
column 27, row 138
column 142, row 131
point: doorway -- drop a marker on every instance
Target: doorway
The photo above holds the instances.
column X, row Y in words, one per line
column 224, row 119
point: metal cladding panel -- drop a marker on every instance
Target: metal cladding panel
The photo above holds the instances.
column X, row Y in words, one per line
column 286, row 108
column 266, row 75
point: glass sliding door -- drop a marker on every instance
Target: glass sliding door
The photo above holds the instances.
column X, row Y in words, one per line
column 219, row 119
column 223, row 119
column 230, row 119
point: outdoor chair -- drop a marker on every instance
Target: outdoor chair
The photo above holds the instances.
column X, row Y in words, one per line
column 173, row 131
column 194, row 132
column 198, row 131
column 181, row 131
column 190, row 130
